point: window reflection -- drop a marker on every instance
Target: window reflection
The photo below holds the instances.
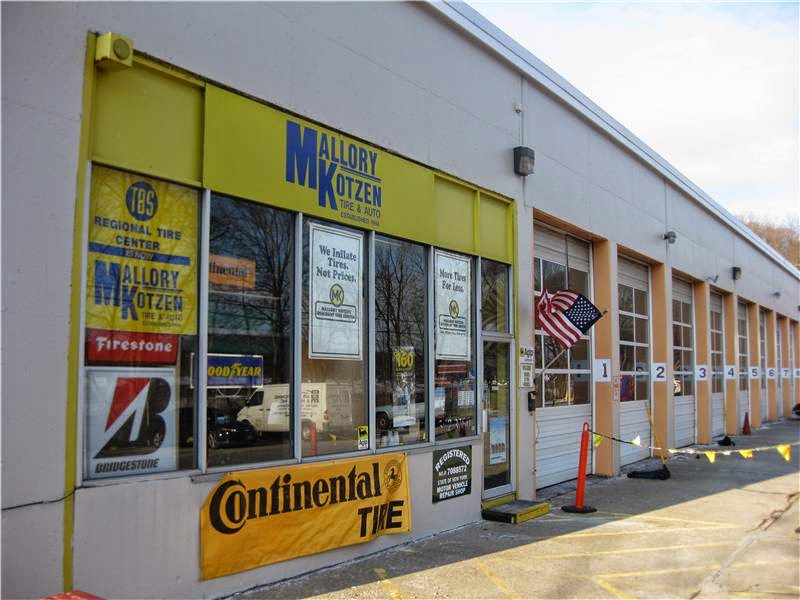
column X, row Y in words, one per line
column 400, row 325
column 249, row 416
column 494, row 296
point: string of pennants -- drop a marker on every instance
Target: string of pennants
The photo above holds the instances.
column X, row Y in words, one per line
column 785, row 450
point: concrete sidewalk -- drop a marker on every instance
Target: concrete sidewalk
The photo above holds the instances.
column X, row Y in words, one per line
column 728, row 529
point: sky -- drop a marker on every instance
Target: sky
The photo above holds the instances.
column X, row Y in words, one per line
column 710, row 86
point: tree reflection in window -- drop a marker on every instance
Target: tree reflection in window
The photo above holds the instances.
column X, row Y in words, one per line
column 250, row 313
column 400, row 325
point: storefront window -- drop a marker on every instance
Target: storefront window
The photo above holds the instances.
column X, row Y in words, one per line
column 401, row 413
column 141, row 325
column 454, row 390
column 494, row 296
column 249, row 408
column 634, row 348
column 333, row 409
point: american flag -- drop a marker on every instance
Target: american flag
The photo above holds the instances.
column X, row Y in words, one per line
column 566, row 315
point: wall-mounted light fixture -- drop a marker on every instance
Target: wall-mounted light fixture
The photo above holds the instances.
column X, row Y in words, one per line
column 113, row 51
column 524, row 160
column 670, row 236
column 776, row 294
column 736, row 272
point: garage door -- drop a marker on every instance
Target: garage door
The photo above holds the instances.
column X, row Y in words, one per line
column 683, row 363
column 561, row 261
column 634, row 348
column 743, row 397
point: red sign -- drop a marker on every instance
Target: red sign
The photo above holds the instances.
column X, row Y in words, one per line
column 74, row 595
column 105, row 346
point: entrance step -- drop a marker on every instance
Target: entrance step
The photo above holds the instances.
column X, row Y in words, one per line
column 516, row 511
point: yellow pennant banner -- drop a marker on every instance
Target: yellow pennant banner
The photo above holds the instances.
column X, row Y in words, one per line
column 255, row 518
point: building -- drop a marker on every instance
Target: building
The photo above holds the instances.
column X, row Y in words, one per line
column 276, row 267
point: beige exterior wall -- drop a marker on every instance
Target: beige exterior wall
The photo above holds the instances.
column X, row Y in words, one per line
column 661, row 326
column 702, row 353
column 732, row 417
column 606, row 340
column 784, row 402
column 772, row 363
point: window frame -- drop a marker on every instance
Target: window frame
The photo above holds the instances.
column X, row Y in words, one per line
column 540, row 336
column 717, row 375
column 634, row 344
column 684, row 373
column 201, row 467
column 742, row 337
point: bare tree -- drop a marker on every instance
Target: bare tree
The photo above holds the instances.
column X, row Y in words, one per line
column 783, row 234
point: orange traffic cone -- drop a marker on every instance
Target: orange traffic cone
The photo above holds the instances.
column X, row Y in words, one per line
column 746, row 427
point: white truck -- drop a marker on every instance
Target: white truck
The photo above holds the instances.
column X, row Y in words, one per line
column 327, row 405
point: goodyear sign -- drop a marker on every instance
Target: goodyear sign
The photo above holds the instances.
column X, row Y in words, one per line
column 142, row 255
column 235, row 370
column 255, row 518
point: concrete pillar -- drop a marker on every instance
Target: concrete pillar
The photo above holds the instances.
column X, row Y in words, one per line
column 754, row 349
column 772, row 363
column 784, row 402
column 606, row 346
column 702, row 353
column 730, row 309
column 526, row 421
column 661, row 326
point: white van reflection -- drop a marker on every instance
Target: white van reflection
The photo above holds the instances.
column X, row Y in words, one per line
column 326, row 406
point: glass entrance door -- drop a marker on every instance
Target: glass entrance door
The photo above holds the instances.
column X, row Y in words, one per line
column 497, row 421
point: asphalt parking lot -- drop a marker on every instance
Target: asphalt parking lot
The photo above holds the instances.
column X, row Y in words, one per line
column 724, row 530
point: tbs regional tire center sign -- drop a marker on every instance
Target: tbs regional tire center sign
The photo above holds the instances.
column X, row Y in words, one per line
column 141, row 296
column 256, row 518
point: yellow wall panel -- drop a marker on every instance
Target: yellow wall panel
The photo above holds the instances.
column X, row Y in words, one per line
column 453, row 213
column 495, row 231
column 148, row 121
column 257, row 152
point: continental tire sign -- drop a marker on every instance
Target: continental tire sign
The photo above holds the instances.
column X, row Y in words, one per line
column 255, row 518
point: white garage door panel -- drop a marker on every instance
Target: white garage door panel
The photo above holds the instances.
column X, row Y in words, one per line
column 744, row 407
column 717, row 414
column 633, row 421
column 764, row 414
column 558, row 443
column 684, row 421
